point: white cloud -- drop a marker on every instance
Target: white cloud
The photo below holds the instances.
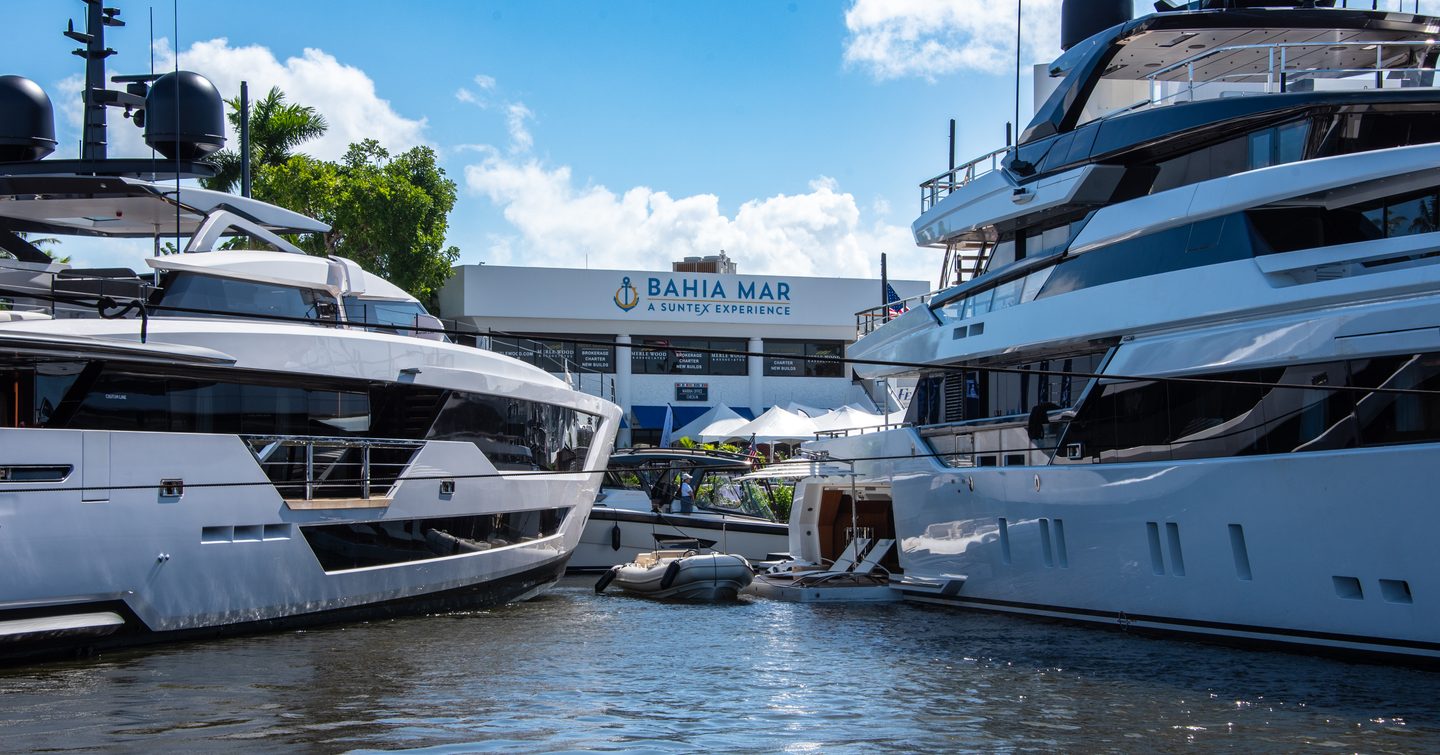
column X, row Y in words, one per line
column 342, row 93
column 561, row 224
column 929, row 38
column 515, row 115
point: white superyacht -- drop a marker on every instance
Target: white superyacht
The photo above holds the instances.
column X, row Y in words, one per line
column 1185, row 379
column 246, row 440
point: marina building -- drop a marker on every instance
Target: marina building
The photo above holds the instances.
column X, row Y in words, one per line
column 648, row 339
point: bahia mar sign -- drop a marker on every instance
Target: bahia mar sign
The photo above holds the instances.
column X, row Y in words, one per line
column 705, row 296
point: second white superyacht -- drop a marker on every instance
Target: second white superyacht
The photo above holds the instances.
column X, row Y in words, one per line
column 1187, row 377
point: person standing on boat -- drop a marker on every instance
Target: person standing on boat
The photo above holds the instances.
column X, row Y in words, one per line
column 687, row 494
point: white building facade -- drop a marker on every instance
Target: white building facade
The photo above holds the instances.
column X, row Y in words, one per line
column 603, row 327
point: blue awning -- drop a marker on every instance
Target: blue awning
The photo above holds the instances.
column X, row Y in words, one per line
column 653, row 417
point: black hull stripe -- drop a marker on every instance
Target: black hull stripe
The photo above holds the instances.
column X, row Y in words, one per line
column 602, row 514
column 135, row 633
column 1111, row 617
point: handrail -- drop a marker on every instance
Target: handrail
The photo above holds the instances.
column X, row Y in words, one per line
column 941, row 186
column 264, row 448
column 1281, row 68
column 1278, row 75
column 870, row 319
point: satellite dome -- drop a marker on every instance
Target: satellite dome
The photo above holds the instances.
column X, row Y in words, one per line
column 27, row 120
column 184, row 116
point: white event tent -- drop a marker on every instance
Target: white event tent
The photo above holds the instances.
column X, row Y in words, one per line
column 848, row 418
column 714, row 425
column 777, row 424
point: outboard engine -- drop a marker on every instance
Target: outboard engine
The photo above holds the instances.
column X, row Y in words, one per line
column 184, row 116
column 27, row 121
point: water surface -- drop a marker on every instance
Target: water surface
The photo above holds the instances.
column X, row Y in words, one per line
column 575, row 671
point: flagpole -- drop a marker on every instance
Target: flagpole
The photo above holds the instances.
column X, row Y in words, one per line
column 884, row 289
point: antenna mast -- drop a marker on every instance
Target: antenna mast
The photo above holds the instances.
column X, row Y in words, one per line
column 97, row 17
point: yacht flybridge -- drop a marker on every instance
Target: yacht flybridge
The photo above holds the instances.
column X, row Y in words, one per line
column 1184, row 371
column 241, row 439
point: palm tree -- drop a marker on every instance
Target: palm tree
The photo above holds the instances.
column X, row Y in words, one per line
column 277, row 127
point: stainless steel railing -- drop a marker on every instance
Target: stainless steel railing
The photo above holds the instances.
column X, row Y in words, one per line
column 311, row 467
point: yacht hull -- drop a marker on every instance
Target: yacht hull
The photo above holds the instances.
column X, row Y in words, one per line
column 618, row 536
column 1327, row 551
column 105, row 558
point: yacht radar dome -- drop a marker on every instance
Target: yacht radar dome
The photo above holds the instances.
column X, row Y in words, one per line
column 27, row 121
column 184, row 116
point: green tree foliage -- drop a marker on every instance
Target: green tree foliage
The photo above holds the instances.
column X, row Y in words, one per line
column 387, row 213
column 277, row 128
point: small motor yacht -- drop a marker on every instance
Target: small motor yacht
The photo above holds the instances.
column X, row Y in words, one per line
column 681, row 574
column 638, row 508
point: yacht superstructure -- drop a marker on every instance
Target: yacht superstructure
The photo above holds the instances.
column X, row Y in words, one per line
column 250, row 439
column 1184, row 375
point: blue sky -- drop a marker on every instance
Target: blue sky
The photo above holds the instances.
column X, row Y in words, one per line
column 793, row 134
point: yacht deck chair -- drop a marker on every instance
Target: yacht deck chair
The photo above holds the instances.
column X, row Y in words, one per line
column 847, row 558
column 869, row 563
column 872, row 559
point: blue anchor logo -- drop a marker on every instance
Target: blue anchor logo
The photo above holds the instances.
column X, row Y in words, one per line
column 626, row 297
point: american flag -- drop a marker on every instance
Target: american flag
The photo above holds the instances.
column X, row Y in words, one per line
column 893, row 300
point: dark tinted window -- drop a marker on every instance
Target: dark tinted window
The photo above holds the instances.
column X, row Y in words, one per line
column 1295, row 409
column 962, row 395
column 1362, row 132
column 516, row 434
column 119, row 400
column 683, row 357
column 364, row 544
column 794, row 358
column 196, row 295
column 1206, row 242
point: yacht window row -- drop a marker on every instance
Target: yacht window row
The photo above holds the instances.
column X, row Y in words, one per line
column 976, row 394
column 516, row 434
column 397, row 541
column 1161, row 420
column 1226, row 238
column 190, row 294
column 654, row 355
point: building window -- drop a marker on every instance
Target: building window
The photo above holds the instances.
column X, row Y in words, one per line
column 681, row 356
column 804, row 358
column 556, row 354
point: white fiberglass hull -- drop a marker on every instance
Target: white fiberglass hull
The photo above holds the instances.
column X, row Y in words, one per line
column 231, row 555
column 617, row 536
column 1324, row 549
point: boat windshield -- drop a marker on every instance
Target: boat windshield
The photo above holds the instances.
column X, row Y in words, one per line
column 729, row 496
column 393, row 317
column 186, row 294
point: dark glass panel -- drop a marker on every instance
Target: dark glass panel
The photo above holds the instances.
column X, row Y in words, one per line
column 515, row 434
column 368, row 544
column 1387, row 418
column 782, row 358
column 829, row 350
column 1217, row 419
column 1309, row 419
column 651, row 361
column 729, row 364
column 1224, row 159
column 215, row 296
column 120, row 401
column 53, row 381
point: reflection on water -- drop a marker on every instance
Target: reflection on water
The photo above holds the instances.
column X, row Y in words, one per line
column 577, row 671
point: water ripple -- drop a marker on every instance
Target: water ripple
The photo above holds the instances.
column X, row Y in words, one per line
column 577, row 672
